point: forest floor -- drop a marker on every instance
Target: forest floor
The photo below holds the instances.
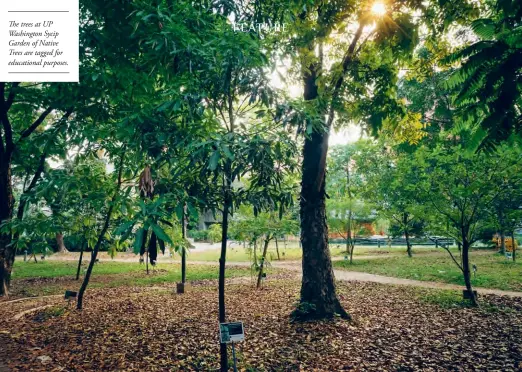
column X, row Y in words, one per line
column 152, row 329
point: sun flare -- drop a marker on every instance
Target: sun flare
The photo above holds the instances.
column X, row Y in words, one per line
column 379, row 9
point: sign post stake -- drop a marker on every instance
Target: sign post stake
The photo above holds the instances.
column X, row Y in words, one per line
column 234, row 356
column 230, row 333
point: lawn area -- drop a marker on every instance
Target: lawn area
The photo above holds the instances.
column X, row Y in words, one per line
column 236, row 253
column 51, row 277
column 493, row 270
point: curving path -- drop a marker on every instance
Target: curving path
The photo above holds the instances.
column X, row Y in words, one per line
column 345, row 275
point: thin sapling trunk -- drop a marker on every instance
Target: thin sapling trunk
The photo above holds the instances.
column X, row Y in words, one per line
column 407, row 234
column 102, row 234
column 262, row 265
column 222, row 261
column 183, row 249
column 80, row 261
column 466, row 272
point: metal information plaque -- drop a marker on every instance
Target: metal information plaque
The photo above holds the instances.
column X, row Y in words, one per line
column 231, row 332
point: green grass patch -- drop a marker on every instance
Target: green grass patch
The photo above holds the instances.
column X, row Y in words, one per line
column 54, row 269
column 54, row 277
column 450, row 299
column 162, row 271
column 238, row 253
column 494, row 271
column 446, row 299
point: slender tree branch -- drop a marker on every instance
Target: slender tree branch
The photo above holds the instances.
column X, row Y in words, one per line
column 27, row 132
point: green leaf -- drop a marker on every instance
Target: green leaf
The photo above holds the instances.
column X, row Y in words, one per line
column 160, row 233
column 484, row 28
column 214, row 159
column 227, row 152
column 123, row 228
column 138, row 241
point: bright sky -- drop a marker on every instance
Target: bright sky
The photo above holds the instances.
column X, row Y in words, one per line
column 346, row 135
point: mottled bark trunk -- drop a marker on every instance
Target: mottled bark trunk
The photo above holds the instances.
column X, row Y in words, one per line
column 277, row 250
column 262, row 265
column 318, row 293
column 60, row 243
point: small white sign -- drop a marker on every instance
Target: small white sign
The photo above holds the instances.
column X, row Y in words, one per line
column 39, row 41
column 231, row 332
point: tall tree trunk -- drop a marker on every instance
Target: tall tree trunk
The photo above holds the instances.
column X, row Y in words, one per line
column 262, row 265
column 277, row 250
column 407, row 234
column 80, row 260
column 227, row 205
column 318, row 282
column 466, row 271
column 60, row 243
column 7, row 251
column 318, row 293
column 102, row 233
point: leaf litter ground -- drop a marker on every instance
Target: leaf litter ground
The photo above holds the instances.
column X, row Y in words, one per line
column 152, row 329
